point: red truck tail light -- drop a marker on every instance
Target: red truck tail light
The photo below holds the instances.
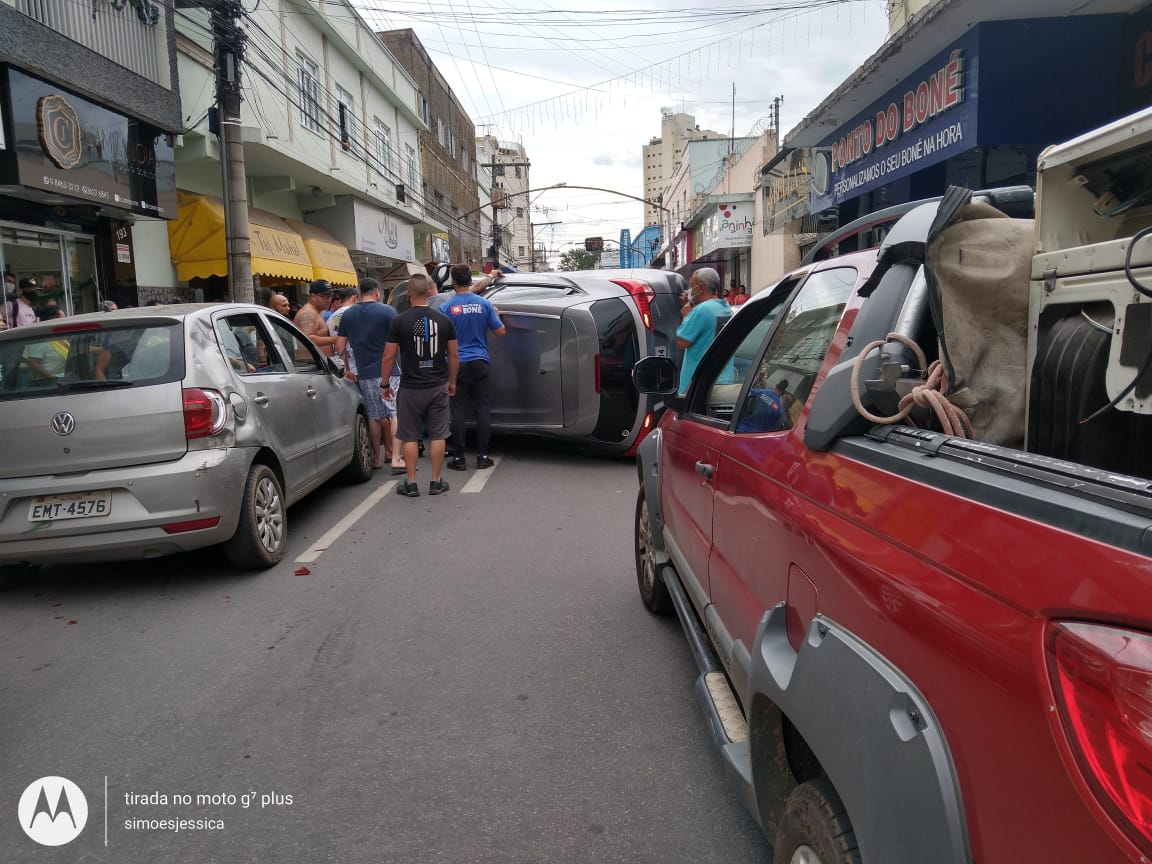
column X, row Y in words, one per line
column 204, row 412
column 642, row 294
column 1102, row 677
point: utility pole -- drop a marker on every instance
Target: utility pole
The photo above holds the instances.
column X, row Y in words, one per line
column 229, row 38
column 776, row 119
column 497, row 231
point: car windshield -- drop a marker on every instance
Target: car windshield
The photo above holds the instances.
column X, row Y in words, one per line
column 67, row 359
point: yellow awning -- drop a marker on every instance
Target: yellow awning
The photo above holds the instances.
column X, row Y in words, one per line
column 330, row 260
column 197, row 244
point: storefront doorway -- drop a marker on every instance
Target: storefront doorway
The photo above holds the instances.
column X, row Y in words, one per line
column 64, row 264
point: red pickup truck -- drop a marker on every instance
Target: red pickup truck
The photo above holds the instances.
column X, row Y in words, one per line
column 924, row 643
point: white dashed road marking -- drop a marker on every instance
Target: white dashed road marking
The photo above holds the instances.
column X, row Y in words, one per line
column 480, row 477
column 344, row 524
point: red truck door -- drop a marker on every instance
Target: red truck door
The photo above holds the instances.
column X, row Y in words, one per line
column 758, row 550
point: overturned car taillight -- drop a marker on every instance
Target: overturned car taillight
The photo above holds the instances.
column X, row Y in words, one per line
column 1102, row 677
column 642, row 294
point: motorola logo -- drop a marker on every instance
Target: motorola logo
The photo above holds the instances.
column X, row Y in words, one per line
column 53, row 811
column 63, row 423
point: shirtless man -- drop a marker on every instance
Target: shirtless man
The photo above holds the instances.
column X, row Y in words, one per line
column 310, row 318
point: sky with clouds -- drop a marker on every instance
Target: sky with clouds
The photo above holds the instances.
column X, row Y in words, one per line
column 581, row 83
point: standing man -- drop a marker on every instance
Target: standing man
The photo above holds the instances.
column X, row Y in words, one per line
column 22, row 311
column 346, row 298
column 279, row 303
column 704, row 313
column 425, row 340
column 366, row 327
column 473, row 317
column 310, row 318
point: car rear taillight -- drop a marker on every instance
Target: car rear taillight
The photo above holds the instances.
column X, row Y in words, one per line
column 1102, row 676
column 76, row 328
column 642, row 293
column 596, row 373
column 204, row 412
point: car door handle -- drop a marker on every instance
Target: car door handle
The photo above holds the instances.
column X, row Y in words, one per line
column 311, row 392
column 260, row 399
column 704, row 470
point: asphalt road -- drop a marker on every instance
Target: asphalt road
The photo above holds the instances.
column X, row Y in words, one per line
column 469, row 678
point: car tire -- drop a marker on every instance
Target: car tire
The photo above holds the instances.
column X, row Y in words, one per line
column 815, row 828
column 261, row 536
column 359, row 470
column 649, row 579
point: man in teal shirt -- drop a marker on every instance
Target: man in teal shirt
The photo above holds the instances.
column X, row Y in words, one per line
column 704, row 313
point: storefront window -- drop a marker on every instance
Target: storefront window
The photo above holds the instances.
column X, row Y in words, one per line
column 63, row 265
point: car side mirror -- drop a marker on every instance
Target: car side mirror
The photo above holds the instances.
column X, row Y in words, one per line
column 335, row 368
column 655, row 376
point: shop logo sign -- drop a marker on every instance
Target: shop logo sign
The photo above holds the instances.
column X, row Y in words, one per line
column 60, row 135
column 53, row 811
column 390, row 233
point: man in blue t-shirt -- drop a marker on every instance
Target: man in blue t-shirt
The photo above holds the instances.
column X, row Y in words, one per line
column 365, row 326
column 474, row 318
column 765, row 409
column 704, row 313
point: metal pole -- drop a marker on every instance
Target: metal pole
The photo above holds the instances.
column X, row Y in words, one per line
column 229, row 49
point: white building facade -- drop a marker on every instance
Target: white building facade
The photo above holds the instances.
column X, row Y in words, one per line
column 330, row 125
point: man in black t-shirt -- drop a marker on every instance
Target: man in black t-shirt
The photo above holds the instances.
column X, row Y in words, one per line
column 426, row 342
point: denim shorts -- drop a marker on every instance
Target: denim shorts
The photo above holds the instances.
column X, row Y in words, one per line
column 394, row 383
column 374, row 402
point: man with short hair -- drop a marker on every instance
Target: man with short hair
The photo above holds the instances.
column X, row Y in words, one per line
column 22, row 311
column 279, row 303
column 425, row 341
column 704, row 313
column 365, row 327
column 310, row 318
column 473, row 317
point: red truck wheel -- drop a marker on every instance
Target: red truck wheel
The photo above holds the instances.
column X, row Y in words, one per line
column 815, row 828
column 653, row 591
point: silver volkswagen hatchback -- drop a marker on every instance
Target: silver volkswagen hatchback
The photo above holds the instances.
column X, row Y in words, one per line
column 147, row 432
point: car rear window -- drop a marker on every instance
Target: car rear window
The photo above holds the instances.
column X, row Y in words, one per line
column 68, row 358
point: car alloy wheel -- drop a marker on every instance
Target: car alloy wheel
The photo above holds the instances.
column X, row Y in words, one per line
column 359, row 468
column 261, row 536
column 269, row 514
column 649, row 580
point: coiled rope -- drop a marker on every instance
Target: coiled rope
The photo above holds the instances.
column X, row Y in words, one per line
column 932, row 394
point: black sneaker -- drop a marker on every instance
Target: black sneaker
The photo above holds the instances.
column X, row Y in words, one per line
column 458, row 464
column 484, row 462
column 408, row 489
column 437, row 487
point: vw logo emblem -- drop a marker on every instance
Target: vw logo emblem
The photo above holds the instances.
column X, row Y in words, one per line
column 63, row 423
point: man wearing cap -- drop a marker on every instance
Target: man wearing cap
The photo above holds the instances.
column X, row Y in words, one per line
column 310, row 318
column 22, row 311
